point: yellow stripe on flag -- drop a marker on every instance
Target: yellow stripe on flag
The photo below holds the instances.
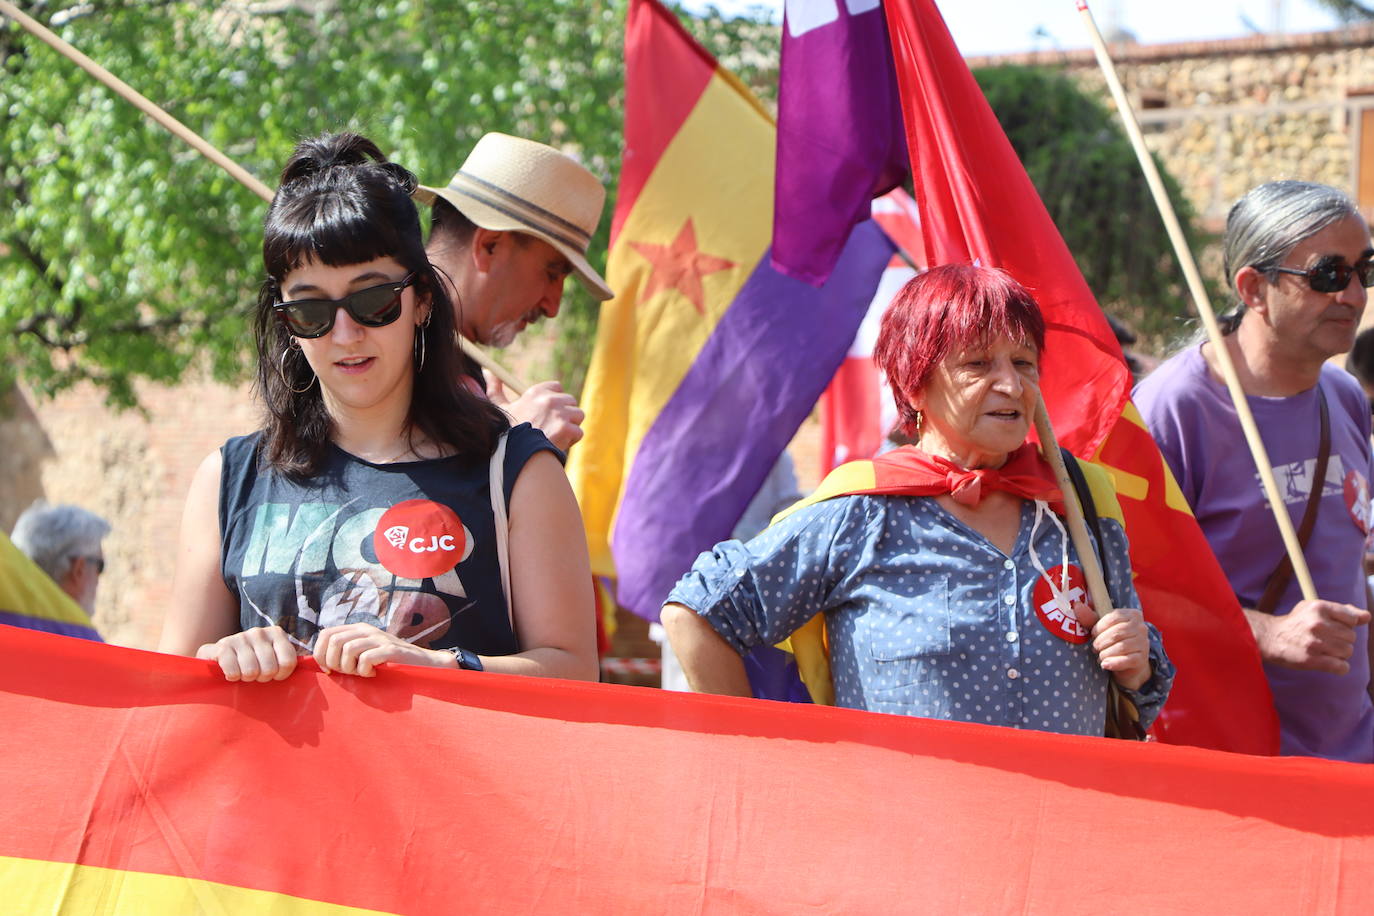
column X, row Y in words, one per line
column 719, row 171
column 1134, row 486
column 25, row 589
column 37, row 886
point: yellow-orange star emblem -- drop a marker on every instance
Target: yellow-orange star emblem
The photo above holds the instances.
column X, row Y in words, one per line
column 680, row 266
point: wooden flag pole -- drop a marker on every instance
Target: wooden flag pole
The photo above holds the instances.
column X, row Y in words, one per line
column 199, row 144
column 133, row 97
column 1204, row 308
column 1073, row 512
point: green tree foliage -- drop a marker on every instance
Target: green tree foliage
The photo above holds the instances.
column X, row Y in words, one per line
column 1348, row 10
column 125, row 255
column 1087, row 174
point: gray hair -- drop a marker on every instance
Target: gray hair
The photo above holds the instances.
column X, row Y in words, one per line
column 54, row 536
column 1268, row 222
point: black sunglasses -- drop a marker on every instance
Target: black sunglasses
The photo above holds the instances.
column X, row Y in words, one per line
column 1331, row 275
column 374, row 307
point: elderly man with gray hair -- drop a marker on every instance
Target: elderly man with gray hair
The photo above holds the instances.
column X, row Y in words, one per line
column 64, row 541
column 1298, row 260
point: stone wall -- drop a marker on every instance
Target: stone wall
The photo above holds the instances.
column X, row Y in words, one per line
column 1227, row 115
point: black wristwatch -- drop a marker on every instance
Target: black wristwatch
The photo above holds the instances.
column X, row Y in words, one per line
column 466, row 660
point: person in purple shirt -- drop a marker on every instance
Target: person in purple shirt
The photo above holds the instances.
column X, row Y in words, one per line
column 1297, row 259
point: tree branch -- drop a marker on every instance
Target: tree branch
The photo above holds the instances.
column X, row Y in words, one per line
column 65, row 323
column 32, row 325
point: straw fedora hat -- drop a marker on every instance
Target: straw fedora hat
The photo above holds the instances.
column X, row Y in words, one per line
column 511, row 184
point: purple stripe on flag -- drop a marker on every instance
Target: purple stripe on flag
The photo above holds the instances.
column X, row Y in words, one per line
column 840, row 136
column 754, row 381
column 60, row 627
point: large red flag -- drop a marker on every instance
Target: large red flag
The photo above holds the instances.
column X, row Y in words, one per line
column 978, row 205
column 137, row 783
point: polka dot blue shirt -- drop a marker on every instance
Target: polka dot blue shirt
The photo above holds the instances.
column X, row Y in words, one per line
column 925, row 616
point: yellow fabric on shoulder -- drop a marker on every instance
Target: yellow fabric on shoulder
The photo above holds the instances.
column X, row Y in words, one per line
column 27, row 591
column 851, row 477
column 1103, row 491
column 810, row 645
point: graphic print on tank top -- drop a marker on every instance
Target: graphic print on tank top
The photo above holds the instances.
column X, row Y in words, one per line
column 409, row 548
column 338, row 574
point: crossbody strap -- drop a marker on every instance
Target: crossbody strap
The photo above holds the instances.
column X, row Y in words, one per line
column 1283, row 572
column 1123, row 719
column 497, row 478
column 1085, row 499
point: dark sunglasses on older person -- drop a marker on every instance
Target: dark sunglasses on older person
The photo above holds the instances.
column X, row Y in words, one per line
column 1331, row 275
column 374, row 307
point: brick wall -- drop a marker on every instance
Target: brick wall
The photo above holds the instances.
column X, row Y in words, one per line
column 133, row 469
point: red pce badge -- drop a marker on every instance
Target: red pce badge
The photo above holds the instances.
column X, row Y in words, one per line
column 1357, row 500
column 419, row 539
column 1056, row 596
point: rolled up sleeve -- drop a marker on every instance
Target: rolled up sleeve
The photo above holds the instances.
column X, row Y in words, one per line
column 758, row 593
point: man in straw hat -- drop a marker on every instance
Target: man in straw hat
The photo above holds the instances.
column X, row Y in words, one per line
column 507, row 230
column 1298, row 259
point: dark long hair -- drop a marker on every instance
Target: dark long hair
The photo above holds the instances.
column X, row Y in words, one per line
column 340, row 202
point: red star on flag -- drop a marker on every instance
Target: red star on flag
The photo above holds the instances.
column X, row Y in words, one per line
column 680, row 266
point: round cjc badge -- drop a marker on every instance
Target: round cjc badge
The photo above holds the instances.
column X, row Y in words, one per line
column 419, row 539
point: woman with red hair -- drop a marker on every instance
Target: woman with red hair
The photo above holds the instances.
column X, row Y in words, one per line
column 945, row 580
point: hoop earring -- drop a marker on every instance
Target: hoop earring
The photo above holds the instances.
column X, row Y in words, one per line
column 419, row 347
column 281, row 372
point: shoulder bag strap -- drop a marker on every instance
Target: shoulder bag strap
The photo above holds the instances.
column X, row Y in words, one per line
column 1283, row 572
column 497, row 479
column 1085, row 499
column 1123, row 719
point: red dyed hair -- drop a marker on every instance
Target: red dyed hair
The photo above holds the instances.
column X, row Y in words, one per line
column 944, row 310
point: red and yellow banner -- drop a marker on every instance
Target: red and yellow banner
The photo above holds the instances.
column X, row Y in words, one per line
column 139, row 783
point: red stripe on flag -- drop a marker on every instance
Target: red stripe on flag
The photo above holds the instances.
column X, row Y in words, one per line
column 851, row 426
column 661, row 89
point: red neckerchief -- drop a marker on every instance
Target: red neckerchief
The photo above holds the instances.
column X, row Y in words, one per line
column 911, row 472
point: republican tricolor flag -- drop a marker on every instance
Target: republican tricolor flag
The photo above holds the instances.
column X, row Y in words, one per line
column 708, row 359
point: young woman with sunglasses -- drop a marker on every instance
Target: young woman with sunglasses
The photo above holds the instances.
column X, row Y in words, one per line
column 359, row 524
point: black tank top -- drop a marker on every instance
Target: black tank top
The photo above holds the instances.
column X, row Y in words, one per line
column 406, row 547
